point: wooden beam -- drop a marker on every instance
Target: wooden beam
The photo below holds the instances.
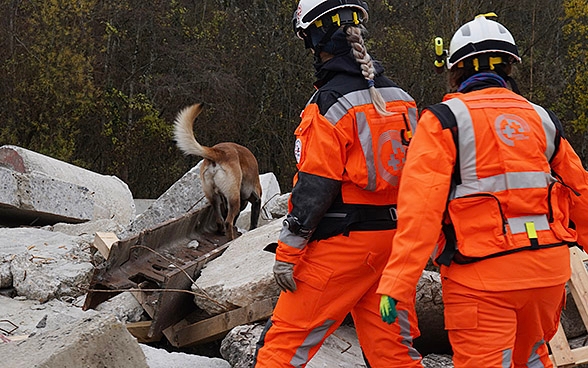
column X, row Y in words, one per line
column 562, row 355
column 579, row 283
column 103, row 242
column 212, row 328
column 141, row 331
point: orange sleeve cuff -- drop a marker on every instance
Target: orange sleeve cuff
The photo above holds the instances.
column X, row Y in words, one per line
column 286, row 253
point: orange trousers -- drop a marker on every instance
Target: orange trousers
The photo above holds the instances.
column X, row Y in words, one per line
column 501, row 329
column 334, row 277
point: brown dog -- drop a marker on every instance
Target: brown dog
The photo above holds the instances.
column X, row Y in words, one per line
column 229, row 173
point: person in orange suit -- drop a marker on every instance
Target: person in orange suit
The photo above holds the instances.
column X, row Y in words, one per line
column 350, row 148
column 496, row 176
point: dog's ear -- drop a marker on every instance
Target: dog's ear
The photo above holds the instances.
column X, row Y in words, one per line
column 271, row 247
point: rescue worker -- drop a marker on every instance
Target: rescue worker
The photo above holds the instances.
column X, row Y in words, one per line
column 350, row 148
column 494, row 173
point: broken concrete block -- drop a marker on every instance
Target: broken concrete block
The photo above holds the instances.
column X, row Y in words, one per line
column 341, row 349
column 46, row 264
column 242, row 275
column 160, row 358
column 40, row 187
column 183, row 196
column 35, row 198
column 96, row 341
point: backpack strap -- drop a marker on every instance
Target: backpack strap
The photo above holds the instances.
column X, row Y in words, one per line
column 447, row 119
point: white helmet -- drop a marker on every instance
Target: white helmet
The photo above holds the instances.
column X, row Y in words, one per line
column 309, row 11
column 480, row 36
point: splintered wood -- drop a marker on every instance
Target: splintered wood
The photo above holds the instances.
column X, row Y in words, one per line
column 562, row 355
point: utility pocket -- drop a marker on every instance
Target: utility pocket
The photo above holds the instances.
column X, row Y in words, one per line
column 312, row 274
column 302, row 134
column 479, row 225
column 559, row 210
column 462, row 316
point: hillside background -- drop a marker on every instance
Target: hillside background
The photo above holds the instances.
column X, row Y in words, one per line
column 98, row 83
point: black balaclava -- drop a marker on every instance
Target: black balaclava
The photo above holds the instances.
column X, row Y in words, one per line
column 336, row 46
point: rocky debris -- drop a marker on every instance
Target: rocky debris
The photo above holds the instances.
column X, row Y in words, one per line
column 45, row 264
column 341, row 349
column 244, row 275
column 45, row 270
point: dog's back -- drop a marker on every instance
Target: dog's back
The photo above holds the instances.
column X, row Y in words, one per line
column 229, row 173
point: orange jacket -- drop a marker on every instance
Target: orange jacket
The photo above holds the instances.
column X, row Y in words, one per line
column 344, row 144
column 506, row 197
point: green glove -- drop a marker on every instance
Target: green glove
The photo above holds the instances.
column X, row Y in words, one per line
column 388, row 309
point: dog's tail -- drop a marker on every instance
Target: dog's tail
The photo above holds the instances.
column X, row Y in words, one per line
column 184, row 135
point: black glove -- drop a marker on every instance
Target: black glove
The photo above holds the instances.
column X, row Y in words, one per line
column 284, row 275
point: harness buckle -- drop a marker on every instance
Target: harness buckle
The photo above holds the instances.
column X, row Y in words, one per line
column 393, row 213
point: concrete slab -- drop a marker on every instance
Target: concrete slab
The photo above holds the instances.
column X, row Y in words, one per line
column 46, row 190
column 96, row 341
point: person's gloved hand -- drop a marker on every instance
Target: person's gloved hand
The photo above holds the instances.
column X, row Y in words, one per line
column 388, row 309
column 284, row 275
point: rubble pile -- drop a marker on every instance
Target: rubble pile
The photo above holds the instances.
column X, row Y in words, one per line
column 86, row 281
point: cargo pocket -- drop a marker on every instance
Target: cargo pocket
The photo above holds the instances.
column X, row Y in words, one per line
column 462, row 316
column 479, row 225
column 559, row 208
column 314, row 275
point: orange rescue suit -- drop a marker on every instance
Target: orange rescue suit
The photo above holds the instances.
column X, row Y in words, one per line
column 509, row 184
column 343, row 144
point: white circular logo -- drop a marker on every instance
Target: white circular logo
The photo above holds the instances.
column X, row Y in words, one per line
column 298, row 150
column 511, row 128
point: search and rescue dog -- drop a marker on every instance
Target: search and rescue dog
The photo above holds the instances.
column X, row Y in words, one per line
column 229, row 173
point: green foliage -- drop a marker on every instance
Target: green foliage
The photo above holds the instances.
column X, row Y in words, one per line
column 99, row 83
column 575, row 98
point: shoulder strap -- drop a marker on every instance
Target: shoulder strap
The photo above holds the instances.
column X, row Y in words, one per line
column 447, row 119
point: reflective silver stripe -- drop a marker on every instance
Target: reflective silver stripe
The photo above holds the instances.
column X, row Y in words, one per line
column 517, row 224
column 506, row 358
column 467, row 140
column 404, row 325
column 549, row 128
column 498, row 183
column 339, row 109
column 395, row 94
column 471, row 184
column 314, row 338
column 412, row 118
column 365, row 137
column 292, row 240
column 535, row 360
column 363, row 97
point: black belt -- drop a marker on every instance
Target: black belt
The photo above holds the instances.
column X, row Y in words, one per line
column 341, row 218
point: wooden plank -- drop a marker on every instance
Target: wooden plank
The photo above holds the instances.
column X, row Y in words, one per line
column 217, row 326
column 560, row 349
column 141, row 331
column 580, row 355
column 562, row 355
column 103, row 242
column 579, row 283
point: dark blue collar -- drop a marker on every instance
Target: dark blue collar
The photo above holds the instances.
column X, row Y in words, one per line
column 481, row 80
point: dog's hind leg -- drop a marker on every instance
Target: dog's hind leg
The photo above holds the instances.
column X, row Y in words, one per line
column 255, row 210
column 232, row 213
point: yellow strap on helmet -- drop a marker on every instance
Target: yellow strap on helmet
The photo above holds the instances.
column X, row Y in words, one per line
column 491, row 14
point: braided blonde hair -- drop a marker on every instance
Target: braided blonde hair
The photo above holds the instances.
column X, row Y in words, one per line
column 355, row 39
